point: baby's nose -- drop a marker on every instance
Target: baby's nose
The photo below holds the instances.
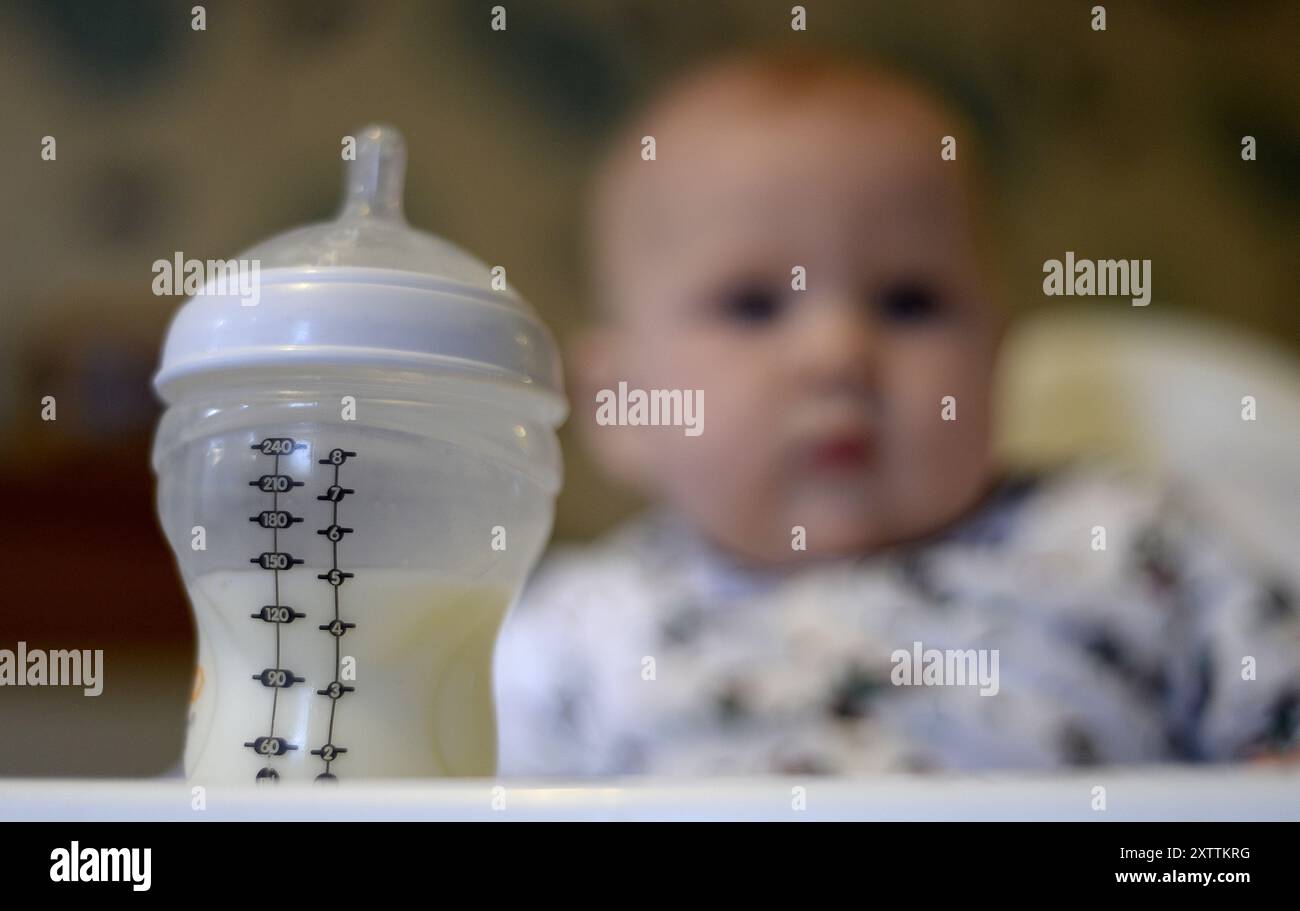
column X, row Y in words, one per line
column 836, row 344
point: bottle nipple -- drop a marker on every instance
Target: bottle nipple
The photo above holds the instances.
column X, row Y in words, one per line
column 375, row 179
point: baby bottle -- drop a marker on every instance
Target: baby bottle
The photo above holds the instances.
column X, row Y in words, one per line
column 356, row 469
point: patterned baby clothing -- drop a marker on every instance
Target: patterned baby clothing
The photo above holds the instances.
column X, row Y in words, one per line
column 1079, row 617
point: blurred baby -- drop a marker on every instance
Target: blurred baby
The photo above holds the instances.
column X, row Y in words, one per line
column 834, row 576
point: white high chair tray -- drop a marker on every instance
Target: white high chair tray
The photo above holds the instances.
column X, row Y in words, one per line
column 1155, row 794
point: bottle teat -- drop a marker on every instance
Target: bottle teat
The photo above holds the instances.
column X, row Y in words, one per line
column 371, row 230
column 375, row 179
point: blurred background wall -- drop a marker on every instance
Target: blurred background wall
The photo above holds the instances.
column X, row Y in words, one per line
column 1117, row 143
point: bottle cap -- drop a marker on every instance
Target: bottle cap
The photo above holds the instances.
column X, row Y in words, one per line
column 364, row 289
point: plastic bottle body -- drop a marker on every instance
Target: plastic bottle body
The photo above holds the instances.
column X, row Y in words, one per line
column 351, row 544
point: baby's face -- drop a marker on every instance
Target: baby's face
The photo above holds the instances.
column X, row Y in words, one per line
column 823, row 408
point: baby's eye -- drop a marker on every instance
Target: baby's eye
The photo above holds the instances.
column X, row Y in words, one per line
column 908, row 302
column 750, row 304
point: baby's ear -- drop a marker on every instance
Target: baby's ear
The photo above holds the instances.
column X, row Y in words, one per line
column 596, row 359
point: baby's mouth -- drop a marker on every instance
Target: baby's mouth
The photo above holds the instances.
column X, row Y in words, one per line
column 839, row 452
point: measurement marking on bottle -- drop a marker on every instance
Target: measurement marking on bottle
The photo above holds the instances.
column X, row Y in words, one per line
column 334, row 533
column 274, row 676
column 275, row 561
column 277, row 613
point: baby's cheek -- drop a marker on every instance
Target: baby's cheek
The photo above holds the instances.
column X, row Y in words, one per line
column 730, row 469
column 938, row 423
column 937, row 383
column 731, row 456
